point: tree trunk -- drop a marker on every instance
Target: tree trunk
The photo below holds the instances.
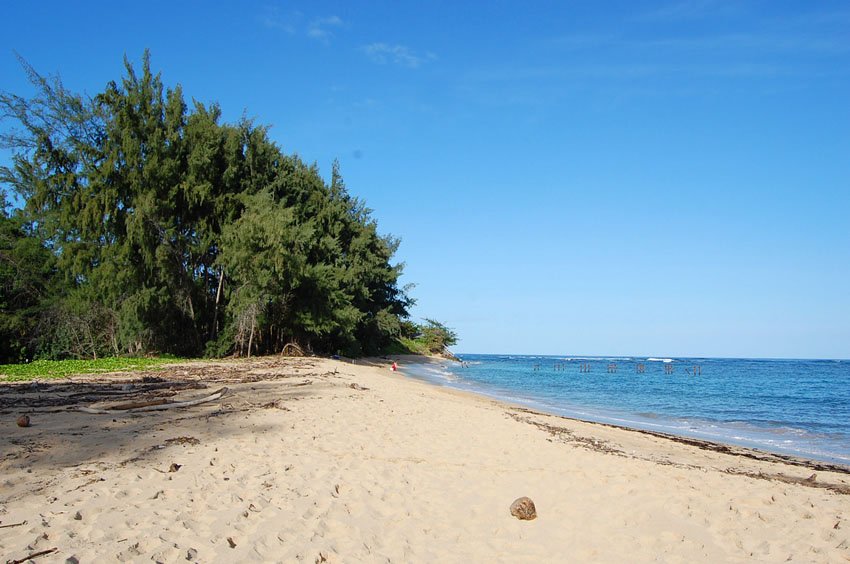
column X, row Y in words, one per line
column 214, row 330
column 251, row 336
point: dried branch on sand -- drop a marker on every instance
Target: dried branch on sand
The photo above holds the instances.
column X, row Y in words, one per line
column 153, row 405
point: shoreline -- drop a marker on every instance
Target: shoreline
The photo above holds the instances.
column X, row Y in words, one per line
column 730, row 449
column 319, row 460
column 621, row 420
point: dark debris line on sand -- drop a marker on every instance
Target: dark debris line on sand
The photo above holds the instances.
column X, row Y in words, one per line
column 567, row 436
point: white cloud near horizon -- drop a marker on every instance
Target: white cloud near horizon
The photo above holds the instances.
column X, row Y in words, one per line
column 383, row 53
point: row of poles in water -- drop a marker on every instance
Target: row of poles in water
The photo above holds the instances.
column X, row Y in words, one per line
column 640, row 368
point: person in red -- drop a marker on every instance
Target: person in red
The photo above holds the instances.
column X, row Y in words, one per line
column 394, row 367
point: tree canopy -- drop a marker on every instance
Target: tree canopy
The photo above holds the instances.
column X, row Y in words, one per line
column 149, row 225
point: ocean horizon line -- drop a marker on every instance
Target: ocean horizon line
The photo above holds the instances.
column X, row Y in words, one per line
column 632, row 356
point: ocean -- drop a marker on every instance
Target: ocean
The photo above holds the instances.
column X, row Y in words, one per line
column 796, row 407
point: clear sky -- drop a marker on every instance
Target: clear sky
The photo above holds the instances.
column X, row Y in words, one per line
column 627, row 178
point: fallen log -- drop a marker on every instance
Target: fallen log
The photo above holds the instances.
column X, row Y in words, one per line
column 155, row 405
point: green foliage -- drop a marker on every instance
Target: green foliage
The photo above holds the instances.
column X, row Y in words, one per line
column 26, row 283
column 76, row 326
column 153, row 227
column 406, row 345
column 44, row 369
column 436, row 336
column 431, row 337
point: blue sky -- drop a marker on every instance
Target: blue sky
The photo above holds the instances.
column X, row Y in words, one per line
column 633, row 178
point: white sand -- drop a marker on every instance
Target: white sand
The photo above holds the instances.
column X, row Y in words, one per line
column 399, row 472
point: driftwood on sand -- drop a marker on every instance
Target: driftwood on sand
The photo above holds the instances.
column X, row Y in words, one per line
column 292, row 349
column 153, row 405
column 33, row 555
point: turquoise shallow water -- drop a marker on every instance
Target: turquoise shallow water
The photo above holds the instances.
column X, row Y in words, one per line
column 799, row 407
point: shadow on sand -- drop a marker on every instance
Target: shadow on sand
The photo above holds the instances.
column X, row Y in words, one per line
column 60, row 436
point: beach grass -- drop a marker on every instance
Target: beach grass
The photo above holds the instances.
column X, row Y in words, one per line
column 44, row 369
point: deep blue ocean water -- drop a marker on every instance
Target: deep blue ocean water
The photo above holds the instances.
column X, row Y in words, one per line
column 798, row 407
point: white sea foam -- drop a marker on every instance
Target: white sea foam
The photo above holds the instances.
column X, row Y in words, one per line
column 775, row 436
column 437, row 373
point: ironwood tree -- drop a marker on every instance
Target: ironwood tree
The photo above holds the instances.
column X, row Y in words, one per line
column 151, row 226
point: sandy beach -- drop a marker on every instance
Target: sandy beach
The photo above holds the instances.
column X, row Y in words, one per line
column 315, row 460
